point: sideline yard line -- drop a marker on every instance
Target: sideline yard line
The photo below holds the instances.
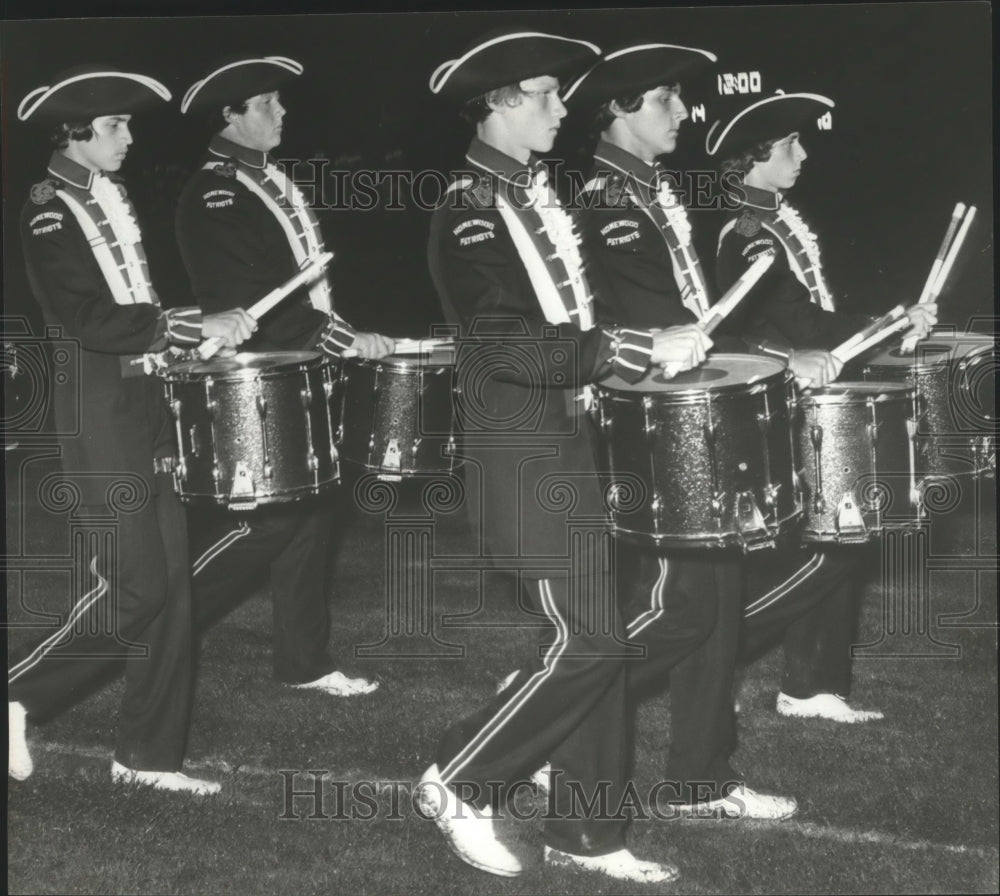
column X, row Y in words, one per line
column 807, row 829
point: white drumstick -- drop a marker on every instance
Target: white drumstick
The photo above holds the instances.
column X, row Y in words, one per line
column 844, row 355
column 421, row 346
column 952, row 255
column 889, row 317
column 717, row 313
column 956, row 216
column 259, row 308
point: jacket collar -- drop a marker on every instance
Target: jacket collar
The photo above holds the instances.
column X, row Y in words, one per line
column 252, row 158
column 625, row 162
column 762, row 199
column 64, row 168
column 487, row 157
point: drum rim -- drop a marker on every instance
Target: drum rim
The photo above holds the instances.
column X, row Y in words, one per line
column 404, row 364
column 866, row 389
column 182, row 371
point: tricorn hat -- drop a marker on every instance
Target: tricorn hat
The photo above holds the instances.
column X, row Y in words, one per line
column 88, row 92
column 771, row 118
column 240, row 79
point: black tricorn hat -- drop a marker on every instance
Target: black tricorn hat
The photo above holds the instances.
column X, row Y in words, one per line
column 88, row 92
column 507, row 57
column 240, row 79
column 633, row 70
column 771, row 118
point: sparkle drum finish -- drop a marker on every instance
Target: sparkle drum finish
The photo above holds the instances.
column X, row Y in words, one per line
column 854, row 456
column 398, row 413
column 954, row 377
column 703, row 460
column 252, row 429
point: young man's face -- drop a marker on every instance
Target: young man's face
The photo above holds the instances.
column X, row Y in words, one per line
column 260, row 126
column 106, row 150
column 532, row 125
column 782, row 167
column 652, row 129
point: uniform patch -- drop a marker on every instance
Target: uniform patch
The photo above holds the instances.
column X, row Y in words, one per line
column 43, row 192
column 218, row 198
column 482, row 192
column 614, row 190
column 46, row 222
column 484, row 232
column 617, row 233
column 226, row 169
column 748, row 224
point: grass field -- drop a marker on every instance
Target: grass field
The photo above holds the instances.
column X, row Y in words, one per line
column 909, row 805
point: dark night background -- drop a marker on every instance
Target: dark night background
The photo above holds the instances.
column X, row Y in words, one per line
column 912, row 129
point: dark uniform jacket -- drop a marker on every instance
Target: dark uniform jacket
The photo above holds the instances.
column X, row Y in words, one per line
column 645, row 273
column 236, row 251
column 521, row 376
column 114, row 420
column 780, row 309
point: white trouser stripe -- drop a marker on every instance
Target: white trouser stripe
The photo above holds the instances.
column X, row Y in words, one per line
column 791, row 583
column 655, row 611
column 226, row 541
column 82, row 606
column 518, row 699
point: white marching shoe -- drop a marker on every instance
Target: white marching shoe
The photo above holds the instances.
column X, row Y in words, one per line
column 621, row 865
column 742, row 802
column 337, row 684
column 19, row 764
column 175, row 781
column 825, row 706
column 468, row 830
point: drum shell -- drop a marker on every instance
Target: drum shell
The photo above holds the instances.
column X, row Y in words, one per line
column 667, row 477
column 269, row 418
column 397, row 414
column 863, row 454
column 953, row 379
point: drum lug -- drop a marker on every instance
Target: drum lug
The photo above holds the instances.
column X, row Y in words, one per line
column 306, row 396
column 656, row 506
column 771, row 495
column 872, row 429
column 175, row 408
column 753, row 531
column 718, row 504
column 194, row 434
column 243, row 495
column 261, row 406
column 851, row 528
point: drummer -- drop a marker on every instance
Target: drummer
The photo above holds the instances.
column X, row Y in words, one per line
column 647, row 274
column 244, row 229
column 810, row 595
column 87, row 267
column 506, row 263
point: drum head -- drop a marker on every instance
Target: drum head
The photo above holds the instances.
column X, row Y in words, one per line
column 719, row 372
column 938, row 348
column 440, row 356
column 245, row 365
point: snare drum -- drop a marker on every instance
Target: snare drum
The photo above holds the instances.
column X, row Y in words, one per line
column 703, row 460
column 398, row 414
column 252, row 429
column 855, row 454
column 954, row 379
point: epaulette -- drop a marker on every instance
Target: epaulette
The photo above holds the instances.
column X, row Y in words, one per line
column 44, row 191
column 748, row 224
column 226, row 169
column 614, row 188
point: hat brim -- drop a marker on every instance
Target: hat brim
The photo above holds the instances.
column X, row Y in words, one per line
column 238, row 80
column 86, row 95
column 635, row 70
column 508, row 59
column 769, row 119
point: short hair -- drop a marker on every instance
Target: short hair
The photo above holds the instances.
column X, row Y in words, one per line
column 216, row 117
column 604, row 115
column 477, row 110
column 62, row 133
column 744, row 162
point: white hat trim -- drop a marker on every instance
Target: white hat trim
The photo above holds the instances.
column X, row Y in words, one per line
column 453, row 64
column 711, row 57
column 281, row 61
column 826, row 101
column 23, row 114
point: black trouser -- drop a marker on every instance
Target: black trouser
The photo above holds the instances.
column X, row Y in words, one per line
column 703, row 585
column 288, row 547
column 811, row 596
column 136, row 609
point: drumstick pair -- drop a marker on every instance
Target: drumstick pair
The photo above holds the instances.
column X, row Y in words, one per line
column 210, row 346
column 947, row 253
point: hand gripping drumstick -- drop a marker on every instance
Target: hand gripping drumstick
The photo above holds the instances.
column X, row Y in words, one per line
column 956, row 216
column 210, row 346
column 889, row 317
column 843, row 355
column 717, row 313
column 421, row 346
